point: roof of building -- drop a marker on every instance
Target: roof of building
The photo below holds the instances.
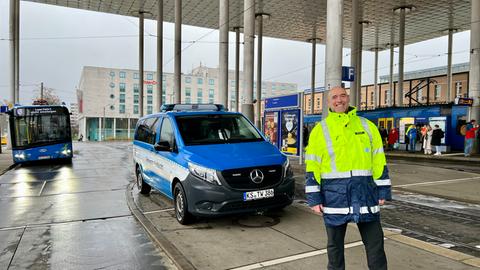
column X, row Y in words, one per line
column 428, row 72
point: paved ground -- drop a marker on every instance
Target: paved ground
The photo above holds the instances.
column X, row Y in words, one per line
column 74, row 216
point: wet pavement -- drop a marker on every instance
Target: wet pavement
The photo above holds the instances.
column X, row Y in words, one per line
column 74, row 216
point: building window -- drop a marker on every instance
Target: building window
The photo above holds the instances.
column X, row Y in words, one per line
column 199, row 95
column 149, row 76
column 149, row 109
column 136, row 75
column 135, row 99
column 122, row 87
column 458, row 89
column 188, row 79
column 149, row 99
column 112, row 96
column 438, row 91
column 283, row 87
column 387, row 96
column 273, row 86
column 199, row 80
column 211, row 81
column 122, row 98
column 122, row 108
column 211, row 93
column 122, row 74
column 232, row 83
column 149, row 89
column 112, row 107
column 371, row 98
column 135, row 87
column 188, row 100
column 112, row 73
column 164, row 78
column 112, row 85
column 420, row 94
column 135, row 108
column 188, row 92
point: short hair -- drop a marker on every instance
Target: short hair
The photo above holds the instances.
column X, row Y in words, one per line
column 437, row 126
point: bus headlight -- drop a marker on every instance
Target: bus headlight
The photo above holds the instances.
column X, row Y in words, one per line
column 66, row 152
column 20, row 156
column 206, row 174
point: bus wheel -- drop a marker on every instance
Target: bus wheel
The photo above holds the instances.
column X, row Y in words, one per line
column 181, row 207
column 143, row 187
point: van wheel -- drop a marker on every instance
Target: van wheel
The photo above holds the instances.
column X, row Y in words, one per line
column 181, row 207
column 142, row 187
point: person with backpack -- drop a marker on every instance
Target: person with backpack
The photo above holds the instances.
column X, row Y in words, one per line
column 437, row 136
column 412, row 138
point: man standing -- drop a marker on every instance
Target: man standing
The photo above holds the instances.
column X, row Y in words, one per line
column 412, row 138
column 347, row 179
column 437, row 136
column 470, row 137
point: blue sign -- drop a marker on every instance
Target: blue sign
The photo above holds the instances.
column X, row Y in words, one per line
column 3, row 109
column 282, row 102
column 348, row 74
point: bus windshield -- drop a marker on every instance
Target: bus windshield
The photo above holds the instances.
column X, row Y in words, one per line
column 36, row 129
column 216, row 129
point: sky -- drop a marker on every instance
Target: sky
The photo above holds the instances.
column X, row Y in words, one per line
column 56, row 42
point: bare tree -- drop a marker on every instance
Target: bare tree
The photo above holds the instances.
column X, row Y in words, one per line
column 48, row 96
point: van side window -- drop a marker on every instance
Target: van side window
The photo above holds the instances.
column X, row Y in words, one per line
column 166, row 133
column 146, row 131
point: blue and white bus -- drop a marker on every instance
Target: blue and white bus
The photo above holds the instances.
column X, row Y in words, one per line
column 40, row 133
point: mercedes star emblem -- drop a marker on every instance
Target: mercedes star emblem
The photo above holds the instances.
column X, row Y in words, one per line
column 256, row 176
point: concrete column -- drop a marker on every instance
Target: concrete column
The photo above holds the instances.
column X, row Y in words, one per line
column 401, row 41
column 100, row 126
column 177, row 81
column 248, row 57
column 140, row 60
column 223, row 57
column 114, row 127
column 376, row 101
column 333, row 51
column 237, row 68
column 450, row 93
column 354, row 53
column 258, row 104
column 358, row 72
column 474, row 74
column 159, row 58
column 14, row 51
column 312, row 85
column 128, row 128
column 391, row 84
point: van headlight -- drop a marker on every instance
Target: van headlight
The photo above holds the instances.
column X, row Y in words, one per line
column 206, row 174
column 287, row 170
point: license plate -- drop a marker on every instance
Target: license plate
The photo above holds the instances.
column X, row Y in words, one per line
column 44, row 157
column 259, row 194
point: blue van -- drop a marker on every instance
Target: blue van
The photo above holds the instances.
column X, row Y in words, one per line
column 210, row 162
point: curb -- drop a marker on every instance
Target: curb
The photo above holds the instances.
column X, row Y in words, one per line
column 175, row 255
column 432, row 158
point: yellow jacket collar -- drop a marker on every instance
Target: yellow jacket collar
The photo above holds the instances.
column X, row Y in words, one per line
column 343, row 118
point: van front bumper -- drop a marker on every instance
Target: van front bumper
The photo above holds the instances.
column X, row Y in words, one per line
column 205, row 199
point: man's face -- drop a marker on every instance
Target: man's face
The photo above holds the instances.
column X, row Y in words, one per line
column 338, row 100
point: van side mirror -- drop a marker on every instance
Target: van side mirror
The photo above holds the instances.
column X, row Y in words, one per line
column 163, row 146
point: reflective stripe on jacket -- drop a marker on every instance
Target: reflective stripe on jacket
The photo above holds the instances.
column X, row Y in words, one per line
column 346, row 169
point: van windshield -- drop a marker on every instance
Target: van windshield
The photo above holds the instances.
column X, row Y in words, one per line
column 216, row 129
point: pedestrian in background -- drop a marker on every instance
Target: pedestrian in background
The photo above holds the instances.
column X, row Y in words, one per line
column 437, row 136
column 412, row 137
column 470, row 137
column 427, row 142
column 423, row 136
column 392, row 138
column 347, row 179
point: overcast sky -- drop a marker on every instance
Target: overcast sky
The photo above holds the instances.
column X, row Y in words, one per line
column 56, row 42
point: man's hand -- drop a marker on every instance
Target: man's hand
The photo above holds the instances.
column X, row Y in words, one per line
column 317, row 208
column 381, row 202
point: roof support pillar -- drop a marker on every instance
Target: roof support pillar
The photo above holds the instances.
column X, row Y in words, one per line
column 376, row 101
column 223, row 57
column 260, row 17
column 177, row 71
column 160, row 56
column 474, row 74
column 14, row 51
column 312, row 86
column 333, row 51
column 401, row 59
column 450, row 93
column 140, row 60
column 248, row 57
column 354, row 53
column 358, row 79
column 389, row 97
column 237, row 68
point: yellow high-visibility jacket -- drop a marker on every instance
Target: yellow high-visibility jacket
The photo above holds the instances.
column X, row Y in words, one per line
column 346, row 169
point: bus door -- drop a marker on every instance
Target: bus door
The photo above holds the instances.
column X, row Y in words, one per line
column 381, row 122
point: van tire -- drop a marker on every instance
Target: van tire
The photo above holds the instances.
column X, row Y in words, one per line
column 142, row 186
column 181, row 206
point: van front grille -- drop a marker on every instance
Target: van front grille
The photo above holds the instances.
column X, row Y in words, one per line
column 241, row 178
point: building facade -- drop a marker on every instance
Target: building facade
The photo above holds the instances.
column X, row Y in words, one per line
column 422, row 87
column 108, row 98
